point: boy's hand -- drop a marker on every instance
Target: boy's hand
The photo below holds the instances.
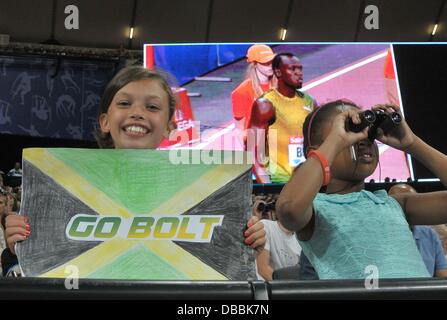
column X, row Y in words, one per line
column 400, row 137
column 16, row 229
column 255, row 234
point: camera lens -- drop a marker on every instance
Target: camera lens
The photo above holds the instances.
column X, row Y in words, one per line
column 385, row 121
column 367, row 118
column 396, row 118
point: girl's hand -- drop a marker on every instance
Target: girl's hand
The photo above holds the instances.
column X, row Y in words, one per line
column 400, row 137
column 16, row 229
column 339, row 136
column 255, row 234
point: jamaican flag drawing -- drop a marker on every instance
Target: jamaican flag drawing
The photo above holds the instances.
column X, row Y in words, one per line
column 135, row 214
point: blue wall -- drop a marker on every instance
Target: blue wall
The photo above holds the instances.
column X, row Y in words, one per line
column 35, row 102
column 188, row 61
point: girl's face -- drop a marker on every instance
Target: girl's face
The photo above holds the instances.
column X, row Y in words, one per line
column 344, row 167
column 138, row 116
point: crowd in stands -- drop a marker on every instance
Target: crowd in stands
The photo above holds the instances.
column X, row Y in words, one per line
column 10, row 197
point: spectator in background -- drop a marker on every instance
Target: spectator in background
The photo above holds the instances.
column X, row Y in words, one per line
column 427, row 241
column 2, row 185
column 259, row 78
column 281, row 248
column 3, row 212
column 3, row 202
column 16, row 171
column 14, row 176
column 441, row 230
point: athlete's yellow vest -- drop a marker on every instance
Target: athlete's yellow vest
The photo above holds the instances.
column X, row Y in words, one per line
column 290, row 116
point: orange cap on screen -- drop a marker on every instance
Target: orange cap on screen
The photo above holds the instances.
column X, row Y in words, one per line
column 260, row 53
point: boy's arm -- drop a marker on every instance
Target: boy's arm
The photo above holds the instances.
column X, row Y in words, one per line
column 263, row 263
column 426, row 208
column 431, row 158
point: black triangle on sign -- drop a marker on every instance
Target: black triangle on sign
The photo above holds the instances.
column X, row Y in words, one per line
column 52, row 206
column 234, row 202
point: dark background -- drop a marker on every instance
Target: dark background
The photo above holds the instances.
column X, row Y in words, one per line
column 422, row 72
column 11, row 147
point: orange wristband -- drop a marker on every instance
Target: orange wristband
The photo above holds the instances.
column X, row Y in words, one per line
column 324, row 165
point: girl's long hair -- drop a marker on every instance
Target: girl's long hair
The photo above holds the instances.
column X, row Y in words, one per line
column 251, row 74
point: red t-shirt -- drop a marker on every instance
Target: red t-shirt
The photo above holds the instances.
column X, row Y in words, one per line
column 242, row 99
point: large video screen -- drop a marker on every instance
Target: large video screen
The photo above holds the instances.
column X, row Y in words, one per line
column 207, row 74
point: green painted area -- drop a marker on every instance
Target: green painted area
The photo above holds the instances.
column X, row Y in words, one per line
column 138, row 263
column 139, row 180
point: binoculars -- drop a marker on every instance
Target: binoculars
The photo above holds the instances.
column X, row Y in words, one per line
column 375, row 120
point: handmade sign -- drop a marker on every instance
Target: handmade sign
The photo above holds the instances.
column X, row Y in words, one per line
column 136, row 214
